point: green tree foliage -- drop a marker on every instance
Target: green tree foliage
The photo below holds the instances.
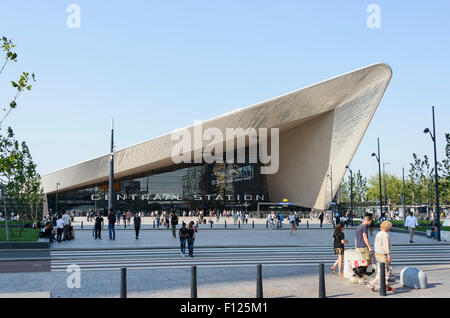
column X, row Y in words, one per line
column 17, row 169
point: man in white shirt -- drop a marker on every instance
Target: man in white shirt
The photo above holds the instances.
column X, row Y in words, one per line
column 411, row 223
column 59, row 228
column 66, row 219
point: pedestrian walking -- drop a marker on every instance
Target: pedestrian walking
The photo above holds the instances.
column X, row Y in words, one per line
column 98, row 226
column 191, row 237
column 383, row 248
column 59, row 228
column 411, row 223
column 118, row 217
column 124, row 219
column 112, row 224
column 292, row 222
column 321, row 218
column 66, row 219
column 182, row 234
column 174, row 222
column 128, row 216
column 362, row 240
column 137, row 224
column 339, row 242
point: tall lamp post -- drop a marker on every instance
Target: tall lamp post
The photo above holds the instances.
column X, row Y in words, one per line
column 331, row 189
column 379, row 175
column 384, row 181
column 433, row 137
column 111, row 170
column 351, row 193
column 56, row 204
column 403, row 195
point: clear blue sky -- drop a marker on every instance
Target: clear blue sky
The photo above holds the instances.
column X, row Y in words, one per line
column 159, row 65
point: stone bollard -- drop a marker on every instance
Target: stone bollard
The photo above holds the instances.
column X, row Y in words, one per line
column 413, row 277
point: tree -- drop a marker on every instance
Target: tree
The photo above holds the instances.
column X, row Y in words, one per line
column 17, row 169
column 394, row 189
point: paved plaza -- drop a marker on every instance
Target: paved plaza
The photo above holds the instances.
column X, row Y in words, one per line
column 125, row 238
column 229, row 282
column 234, row 280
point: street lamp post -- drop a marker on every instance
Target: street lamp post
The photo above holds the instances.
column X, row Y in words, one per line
column 351, row 193
column 433, row 137
column 384, row 179
column 331, row 189
column 111, row 170
column 56, row 204
column 379, row 175
column 403, row 195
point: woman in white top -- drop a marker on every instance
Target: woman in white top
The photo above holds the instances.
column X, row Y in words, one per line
column 383, row 247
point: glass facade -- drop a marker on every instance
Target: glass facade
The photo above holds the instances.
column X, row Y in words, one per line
column 216, row 185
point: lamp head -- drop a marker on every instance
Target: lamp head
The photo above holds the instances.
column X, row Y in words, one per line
column 373, row 154
column 426, row 131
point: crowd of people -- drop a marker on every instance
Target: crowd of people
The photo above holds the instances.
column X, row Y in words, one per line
column 57, row 227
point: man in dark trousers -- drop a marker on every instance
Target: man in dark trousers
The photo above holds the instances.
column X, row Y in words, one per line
column 98, row 226
column 174, row 222
column 320, row 218
column 137, row 224
column 112, row 224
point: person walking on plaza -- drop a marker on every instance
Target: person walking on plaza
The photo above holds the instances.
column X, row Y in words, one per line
column 292, row 222
column 191, row 237
column 128, row 217
column 98, row 226
column 66, row 219
column 297, row 219
column 124, row 219
column 362, row 240
column 59, row 228
column 137, row 224
column 411, row 223
column 339, row 242
column 383, row 248
column 157, row 219
column 118, row 217
column 320, row 218
column 112, row 224
column 182, row 234
column 174, row 222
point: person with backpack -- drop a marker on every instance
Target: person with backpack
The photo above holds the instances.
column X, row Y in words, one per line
column 174, row 222
column 112, row 224
column 137, row 224
column 182, row 234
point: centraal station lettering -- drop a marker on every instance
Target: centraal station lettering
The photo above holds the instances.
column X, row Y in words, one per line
column 177, row 197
